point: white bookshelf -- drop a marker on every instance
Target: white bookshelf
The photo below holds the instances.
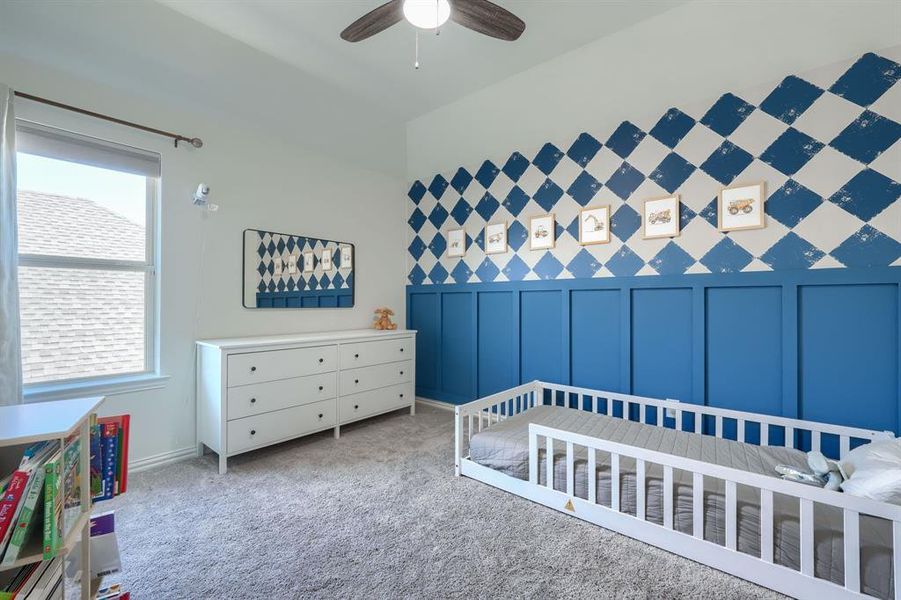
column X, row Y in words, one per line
column 25, row 424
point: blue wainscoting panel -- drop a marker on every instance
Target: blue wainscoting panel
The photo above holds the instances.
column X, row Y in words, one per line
column 423, row 316
column 849, row 354
column 497, row 351
column 595, row 339
column 662, row 343
column 456, row 345
column 744, row 349
column 541, row 337
column 818, row 344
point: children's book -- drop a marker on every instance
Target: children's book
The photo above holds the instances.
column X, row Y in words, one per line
column 96, row 460
column 53, row 505
column 11, row 504
column 72, row 492
column 28, row 516
column 104, row 545
column 109, row 448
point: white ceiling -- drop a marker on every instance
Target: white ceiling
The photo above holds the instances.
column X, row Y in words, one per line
column 304, row 34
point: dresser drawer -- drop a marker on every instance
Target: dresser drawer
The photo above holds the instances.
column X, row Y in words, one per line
column 363, row 379
column 256, row 398
column 363, row 354
column 357, row 406
column 271, row 427
column 272, row 365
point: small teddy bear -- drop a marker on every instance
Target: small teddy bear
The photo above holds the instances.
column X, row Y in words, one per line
column 382, row 320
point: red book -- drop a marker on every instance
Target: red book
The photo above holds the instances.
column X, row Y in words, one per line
column 10, row 501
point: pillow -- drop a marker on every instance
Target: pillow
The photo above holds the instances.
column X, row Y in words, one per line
column 885, row 454
column 877, row 483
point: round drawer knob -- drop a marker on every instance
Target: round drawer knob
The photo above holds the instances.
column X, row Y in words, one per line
column 253, row 400
column 401, row 349
column 320, row 388
column 356, row 381
column 356, row 406
column 252, row 369
column 401, row 372
column 321, row 359
column 320, row 415
column 253, row 432
column 401, row 395
column 356, row 356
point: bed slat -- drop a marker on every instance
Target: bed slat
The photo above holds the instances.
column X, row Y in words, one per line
column 614, row 482
column 789, row 437
column 764, row 434
column 766, row 525
column 697, row 505
column 594, row 404
column 719, row 426
column 640, row 489
column 570, row 470
column 807, row 537
column 592, row 477
column 896, row 551
column 533, row 458
column 815, row 441
column 731, row 515
column 549, row 463
column 852, row 550
column 844, row 446
column 668, row 496
column 678, row 420
column 740, row 431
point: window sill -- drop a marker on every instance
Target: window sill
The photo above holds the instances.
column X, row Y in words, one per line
column 41, row 392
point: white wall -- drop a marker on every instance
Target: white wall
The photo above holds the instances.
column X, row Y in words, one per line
column 258, row 181
column 691, row 53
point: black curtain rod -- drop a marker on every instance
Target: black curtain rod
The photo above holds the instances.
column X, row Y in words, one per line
column 196, row 142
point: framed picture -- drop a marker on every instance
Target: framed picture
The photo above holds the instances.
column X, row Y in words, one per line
column 456, row 242
column 347, row 257
column 496, row 238
column 325, row 259
column 541, row 232
column 594, row 225
column 309, row 262
column 292, row 264
column 661, row 217
column 277, row 266
column 741, row 207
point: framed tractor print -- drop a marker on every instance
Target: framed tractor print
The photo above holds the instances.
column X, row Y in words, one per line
column 496, row 238
column 541, row 232
column 660, row 218
column 741, row 207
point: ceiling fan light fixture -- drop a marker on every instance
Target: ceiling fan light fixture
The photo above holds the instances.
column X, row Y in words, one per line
column 427, row 14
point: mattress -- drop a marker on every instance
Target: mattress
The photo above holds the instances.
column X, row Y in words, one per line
column 505, row 447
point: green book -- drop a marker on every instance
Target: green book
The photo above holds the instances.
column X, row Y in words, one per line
column 27, row 518
column 53, row 505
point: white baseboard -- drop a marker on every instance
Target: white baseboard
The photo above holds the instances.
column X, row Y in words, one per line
column 435, row 403
column 164, row 458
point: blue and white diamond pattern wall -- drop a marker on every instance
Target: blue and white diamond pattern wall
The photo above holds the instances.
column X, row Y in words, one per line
column 827, row 144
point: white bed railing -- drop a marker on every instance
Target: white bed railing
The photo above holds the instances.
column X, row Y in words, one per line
column 481, row 414
column 675, row 410
column 765, row 486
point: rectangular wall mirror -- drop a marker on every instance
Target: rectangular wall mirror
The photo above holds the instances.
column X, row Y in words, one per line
column 284, row 270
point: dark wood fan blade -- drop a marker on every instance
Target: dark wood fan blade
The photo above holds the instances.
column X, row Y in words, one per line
column 374, row 21
column 487, row 18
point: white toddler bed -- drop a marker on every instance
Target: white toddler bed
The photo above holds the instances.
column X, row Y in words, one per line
column 711, row 499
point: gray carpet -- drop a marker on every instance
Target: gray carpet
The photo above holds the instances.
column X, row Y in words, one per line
column 377, row 514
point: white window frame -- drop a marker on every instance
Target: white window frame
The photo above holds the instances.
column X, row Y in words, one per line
column 149, row 377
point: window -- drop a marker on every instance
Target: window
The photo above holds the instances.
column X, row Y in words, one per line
column 87, row 276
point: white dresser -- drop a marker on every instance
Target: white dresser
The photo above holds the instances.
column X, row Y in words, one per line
column 257, row 391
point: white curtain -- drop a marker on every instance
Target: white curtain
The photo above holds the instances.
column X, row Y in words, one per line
column 10, row 347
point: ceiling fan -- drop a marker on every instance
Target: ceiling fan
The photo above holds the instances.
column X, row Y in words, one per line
column 481, row 16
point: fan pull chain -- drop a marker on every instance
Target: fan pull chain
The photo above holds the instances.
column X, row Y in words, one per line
column 416, row 62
